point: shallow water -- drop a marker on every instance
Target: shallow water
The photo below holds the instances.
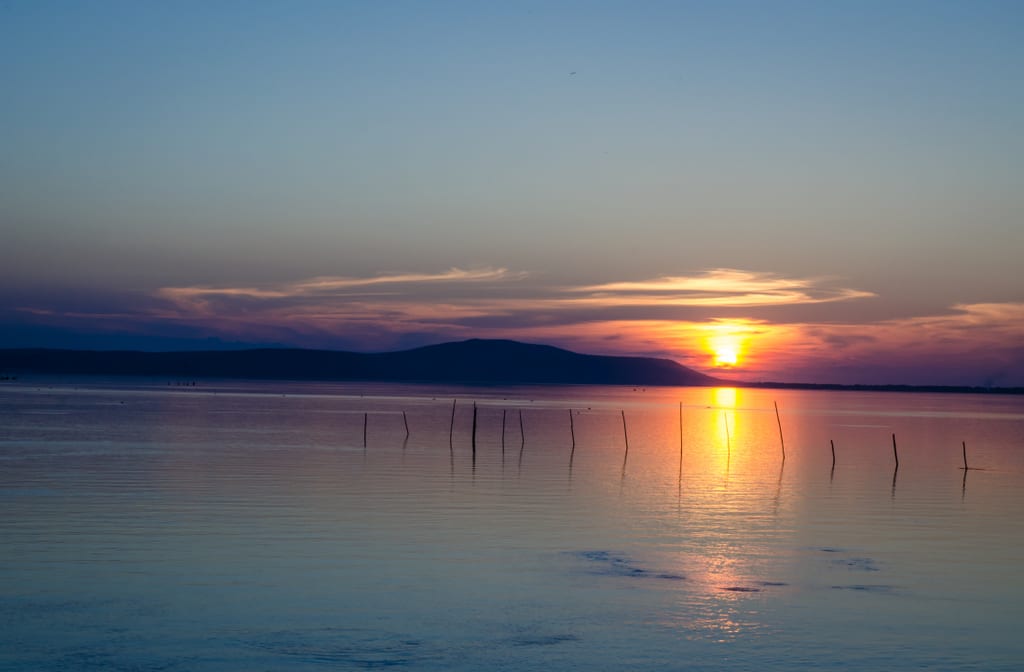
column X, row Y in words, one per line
column 246, row 526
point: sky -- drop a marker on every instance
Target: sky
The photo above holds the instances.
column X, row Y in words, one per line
column 763, row 191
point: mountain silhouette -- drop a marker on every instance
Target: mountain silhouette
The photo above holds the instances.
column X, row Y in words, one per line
column 473, row 361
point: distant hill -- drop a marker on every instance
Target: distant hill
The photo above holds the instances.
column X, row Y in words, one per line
column 472, row 361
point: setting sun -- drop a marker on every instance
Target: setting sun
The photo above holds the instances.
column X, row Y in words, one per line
column 736, row 343
column 726, row 355
column 725, row 344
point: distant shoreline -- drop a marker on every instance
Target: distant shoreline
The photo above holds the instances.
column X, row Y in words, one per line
column 839, row 387
column 823, row 387
column 473, row 362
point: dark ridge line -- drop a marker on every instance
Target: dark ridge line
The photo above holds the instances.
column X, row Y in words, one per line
column 475, row 362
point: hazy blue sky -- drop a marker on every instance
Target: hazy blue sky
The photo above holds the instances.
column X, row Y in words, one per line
column 820, row 190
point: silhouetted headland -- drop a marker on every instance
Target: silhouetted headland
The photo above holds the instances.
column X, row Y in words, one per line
column 473, row 361
column 476, row 361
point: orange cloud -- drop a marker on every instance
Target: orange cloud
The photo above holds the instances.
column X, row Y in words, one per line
column 984, row 341
column 723, row 287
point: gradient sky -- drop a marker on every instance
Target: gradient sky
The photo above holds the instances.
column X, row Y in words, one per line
column 824, row 191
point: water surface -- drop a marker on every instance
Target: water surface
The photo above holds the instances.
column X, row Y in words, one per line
column 248, row 526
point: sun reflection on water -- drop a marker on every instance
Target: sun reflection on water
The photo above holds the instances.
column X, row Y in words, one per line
column 727, row 503
column 724, row 397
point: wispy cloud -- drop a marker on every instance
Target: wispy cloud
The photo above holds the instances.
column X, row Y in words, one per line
column 723, row 287
column 457, row 302
column 332, row 283
column 323, row 288
column 328, row 284
column 715, row 288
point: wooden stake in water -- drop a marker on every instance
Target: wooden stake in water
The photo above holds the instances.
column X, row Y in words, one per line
column 965, row 456
column 572, row 451
column 833, row 443
column 503, row 411
column 474, row 429
column 728, row 439
column 365, row 416
column 680, row 437
column 522, row 439
column 625, row 455
column 894, row 453
column 406, row 421
column 781, row 440
column 625, row 435
column 451, row 429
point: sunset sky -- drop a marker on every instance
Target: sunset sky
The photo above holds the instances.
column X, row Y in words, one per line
column 796, row 191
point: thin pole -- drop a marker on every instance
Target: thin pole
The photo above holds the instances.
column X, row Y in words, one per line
column 680, row 437
column 503, row 411
column 679, row 487
column 728, row 440
column 365, row 416
column 965, row 456
column 572, row 451
column 894, row 453
column 781, row 440
column 451, row 429
column 625, row 435
column 522, row 437
column 474, row 429
column 406, row 421
column 832, row 473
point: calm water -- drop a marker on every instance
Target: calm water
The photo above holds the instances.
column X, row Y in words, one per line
column 245, row 526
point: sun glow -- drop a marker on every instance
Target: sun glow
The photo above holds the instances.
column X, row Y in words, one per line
column 726, row 345
column 726, row 354
column 736, row 343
